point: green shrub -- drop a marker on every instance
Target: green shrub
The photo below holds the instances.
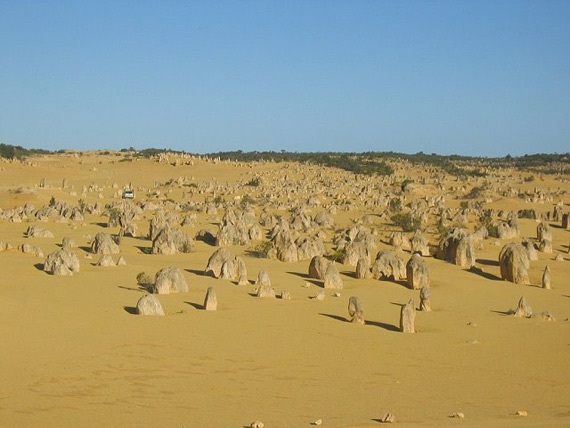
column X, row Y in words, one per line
column 262, row 249
column 475, row 193
column 254, row 182
column 527, row 213
column 143, row 279
column 337, row 255
column 406, row 221
column 247, row 200
column 395, row 205
column 405, row 184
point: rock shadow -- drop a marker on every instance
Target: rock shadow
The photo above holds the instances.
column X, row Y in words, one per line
column 397, row 304
column 39, row 266
column 487, row 262
column 385, row 326
column 481, row 273
column 504, row 313
column 197, row 272
column 144, row 250
column 130, row 310
column 307, row 278
column 197, row 306
column 334, row 317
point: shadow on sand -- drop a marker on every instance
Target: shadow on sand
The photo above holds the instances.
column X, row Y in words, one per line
column 385, row 326
column 130, row 310
column 197, row 306
column 481, row 273
column 487, row 262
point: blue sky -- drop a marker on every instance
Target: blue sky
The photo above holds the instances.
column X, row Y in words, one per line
column 469, row 77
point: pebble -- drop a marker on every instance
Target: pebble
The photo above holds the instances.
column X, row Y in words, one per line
column 388, row 418
column 317, row 422
column 320, row 295
column 257, row 424
column 336, row 294
column 521, row 413
column 458, row 415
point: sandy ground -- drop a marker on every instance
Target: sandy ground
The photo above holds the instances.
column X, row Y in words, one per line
column 74, row 353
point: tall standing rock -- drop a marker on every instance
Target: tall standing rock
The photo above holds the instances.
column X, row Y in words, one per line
column 263, row 278
column 211, row 301
column 419, row 244
column 355, row 310
column 318, row 267
column 543, row 232
column 408, row 317
column 417, row 272
column 514, row 263
column 546, row 278
column 566, row 221
column 332, row 277
column 457, row 247
column 425, row 302
column 363, row 268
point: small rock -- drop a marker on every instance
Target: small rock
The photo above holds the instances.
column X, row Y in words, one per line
column 388, row 418
column 317, row 422
column 523, row 310
column 285, row 295
column 336, row 294
column 307, row 284
column 472, row 341
column 559, row 258
column 472, row 324
column 257, row 424
column 521, row 413
column 458, row 415
column 320, row 295
column 547, row 316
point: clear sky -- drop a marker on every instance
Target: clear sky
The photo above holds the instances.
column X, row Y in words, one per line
column 471, row 77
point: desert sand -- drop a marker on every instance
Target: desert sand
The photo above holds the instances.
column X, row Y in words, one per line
column 75, row 353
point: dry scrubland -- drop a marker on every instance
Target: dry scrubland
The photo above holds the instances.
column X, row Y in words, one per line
column 75, row 353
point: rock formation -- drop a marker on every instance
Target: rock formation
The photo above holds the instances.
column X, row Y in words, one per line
column 149, row 305
column 169, row 280
column 62, row 263
column 355, row 310
column 417, row 272
column 514, row 263
column 407, row 317
column 210, row 301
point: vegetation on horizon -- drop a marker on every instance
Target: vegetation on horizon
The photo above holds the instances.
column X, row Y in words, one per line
column 368, row 163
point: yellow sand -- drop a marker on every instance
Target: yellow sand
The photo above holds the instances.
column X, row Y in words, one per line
column 74, row 355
